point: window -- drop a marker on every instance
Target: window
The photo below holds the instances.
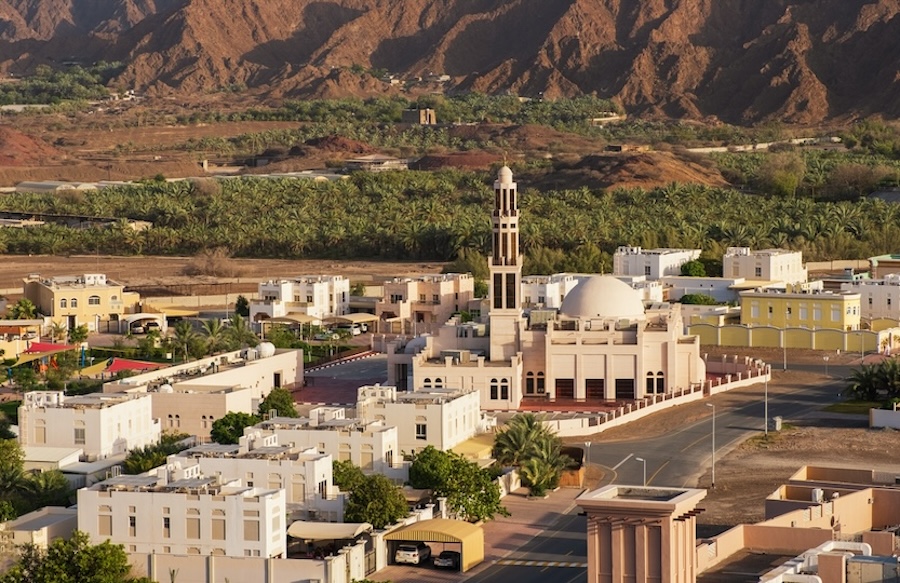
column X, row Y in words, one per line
column 421, row 431
column 817, row 313
column 422, row 298
column 647, row 270
column 104, row 525
column 495, row 387
column 436, row 298
column 426, row 384
column 529, row 383
column 79, row 436
column 438, row 383
column 504, row 389
column 73, row 302
column 323, row 489
column 770, row 310
column 804, row 314
column 660, row 383
column 193, row 528
column 251, row 530
column 541, row 387
column 870, row 301
column 389, row 458
column 754, row 310
column 62, row 303
column 94, row 301
column 835, row 313
column 167, row 526
column 218, row 529
column 132, row 526
column 396, row 298
column 757, row 271
column 309, row 299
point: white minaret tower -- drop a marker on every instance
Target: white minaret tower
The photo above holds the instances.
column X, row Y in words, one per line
column 506, row 270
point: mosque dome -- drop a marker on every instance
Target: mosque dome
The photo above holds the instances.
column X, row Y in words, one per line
column 505, row 174
column 603, row 296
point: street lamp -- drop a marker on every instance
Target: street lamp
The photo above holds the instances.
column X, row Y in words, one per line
column 713, row 480
column 825, row 358
column 862, row 351
column 587, row 459
column 784, row 337
column 644, row 462
column 765, row 414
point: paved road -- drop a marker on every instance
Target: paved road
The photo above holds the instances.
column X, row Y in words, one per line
column 678, row 459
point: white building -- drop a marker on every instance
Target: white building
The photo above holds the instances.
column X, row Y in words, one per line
column 259, row 461
column 879, row 298
column 721, row 289
column 603, row 346
column 765, row 265
column 648, row 290
column 432, row 416
column 184, row 513
column 189, row 397
column 548, row 291
column 102, row 425
column 316, row 296
column 653, row 263
column 372, row 446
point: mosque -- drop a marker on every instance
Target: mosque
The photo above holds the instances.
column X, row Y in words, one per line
column 603, row 345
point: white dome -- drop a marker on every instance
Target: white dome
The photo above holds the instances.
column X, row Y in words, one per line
column 603, row 296
column 166, row 388
column 265, row 349
column 505, row 174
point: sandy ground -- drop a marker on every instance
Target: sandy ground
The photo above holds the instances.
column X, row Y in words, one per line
column 169, row 270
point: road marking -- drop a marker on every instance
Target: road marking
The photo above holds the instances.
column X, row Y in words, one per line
column 650, row 479
column 628, row 457
column 518, row 563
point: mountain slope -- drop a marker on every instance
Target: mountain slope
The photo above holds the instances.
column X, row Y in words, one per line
column 800, row 61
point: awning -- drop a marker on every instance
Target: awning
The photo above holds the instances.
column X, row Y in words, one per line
column 306, row 530
column 358, row 318
column 441, row 530
column 48, row 347
column 294, row 318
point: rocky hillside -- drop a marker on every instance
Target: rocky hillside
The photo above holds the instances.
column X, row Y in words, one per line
column 797, row 61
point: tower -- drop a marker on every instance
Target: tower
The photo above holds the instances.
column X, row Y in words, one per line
column 506, row 270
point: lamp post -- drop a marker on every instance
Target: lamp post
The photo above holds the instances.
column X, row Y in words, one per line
column 784, row 337
column 587, row 460
column 713, row 478
column 765, row 413
column 644, row 463
column 825, row 358
column 862, row 351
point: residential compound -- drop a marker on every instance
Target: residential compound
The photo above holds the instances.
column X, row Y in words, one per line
column 764, row 265
column 99, row 424
column 183, row 512
column 603, row 345
column 423, row 303
column 189, row 397
column 879, row 299
column 548, row 291
column 806, row 309
column 305, row 475
column 87, row 299
column 653, row 263
column 315, row 296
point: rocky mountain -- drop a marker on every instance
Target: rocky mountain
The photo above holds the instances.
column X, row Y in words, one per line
column 743, row 61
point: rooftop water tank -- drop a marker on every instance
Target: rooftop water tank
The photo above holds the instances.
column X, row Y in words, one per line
column 265, row 349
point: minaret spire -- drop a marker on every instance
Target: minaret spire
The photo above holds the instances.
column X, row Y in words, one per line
column 506, row 266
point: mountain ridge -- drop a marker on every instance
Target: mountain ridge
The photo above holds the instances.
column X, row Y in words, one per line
column 794, row 61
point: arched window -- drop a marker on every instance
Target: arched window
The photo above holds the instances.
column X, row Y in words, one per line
column 94, row 301
column 541, row 387
column 649, row 388
column 660, row 382
column 495, row 388
column 426, row 383
column 171, row 421
column 504, row 389
column 438, row 383
column 62, row 303
column 73, row 302
column 529, row 383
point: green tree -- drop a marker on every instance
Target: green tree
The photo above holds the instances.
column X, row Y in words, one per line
column 239, row 332
column 26, row 379
column 215, row 335
column 527, row 443
column 470, row 490
column 376, row 500
column 78, row 334
column 693, row 268
column 230, row 427
column 358, row 289
column 242, row 307
column 782, row 173
column 71, row 560
column 698, row 299
column 346, row 476
column 50, row 488
column 864, row 383
column 281, row 400
column 142, row 459
column 24, row 309
column 184, row 338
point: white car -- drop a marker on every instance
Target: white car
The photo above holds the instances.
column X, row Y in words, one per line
column 412, row 553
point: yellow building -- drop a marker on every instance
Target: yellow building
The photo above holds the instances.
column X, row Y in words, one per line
column 812, row 309
column 81, row 299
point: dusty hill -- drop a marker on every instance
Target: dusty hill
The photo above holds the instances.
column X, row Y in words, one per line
column 792, row 60
column 18, row 149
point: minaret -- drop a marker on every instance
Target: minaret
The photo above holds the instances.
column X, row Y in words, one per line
column 506, row 270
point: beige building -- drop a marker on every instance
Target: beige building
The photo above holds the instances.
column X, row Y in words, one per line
column 314, row 296
column 189, row 397
column 641, row 533
column 422, row 304
column 184, row 513
column 766, row 265
column 651, row 263
column 432, row 416
column 100, row 424
column 88, row 299
column 602, row 346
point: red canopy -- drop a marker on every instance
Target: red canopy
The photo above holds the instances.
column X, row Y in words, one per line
column 118, row 364
column 36, row 347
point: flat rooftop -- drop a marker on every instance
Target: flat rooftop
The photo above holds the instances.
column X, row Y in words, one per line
column 745, row 566
column 42, row 518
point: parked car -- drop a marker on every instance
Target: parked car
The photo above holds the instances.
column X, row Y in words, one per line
column 137, row 329
column 412, row 553
column 326, row 335
column 151, row 326
column 447, row 560
column 352, row 329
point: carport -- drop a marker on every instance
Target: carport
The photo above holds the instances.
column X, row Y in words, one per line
column 442, row 530
column 358, row 318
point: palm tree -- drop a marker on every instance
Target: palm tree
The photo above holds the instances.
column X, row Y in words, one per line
column 215, row 335
column 23, row 309
column 514, row 443
column 239, row 332
column 48, row 489
column 864, row 383
column 58, row 332
column 184, row 337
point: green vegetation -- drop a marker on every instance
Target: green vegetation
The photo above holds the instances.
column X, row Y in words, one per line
column 435, row 216
column 698, row 299
column 21, row 491
column 10, row 409
column 854, row 407
column 346, row 476
column 279, row 400
column 875, row 382
column 535, row 450
column 230, row 427
column 49, row 86
column 471, row 491
column 694, row 268
column 148, row 457
column 73, row 559
column 376, row 500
